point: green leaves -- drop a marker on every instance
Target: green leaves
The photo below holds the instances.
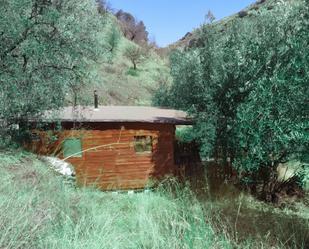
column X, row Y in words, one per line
column 247, row 87
column 46, row 49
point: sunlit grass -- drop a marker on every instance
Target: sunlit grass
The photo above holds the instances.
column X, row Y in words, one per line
column 41, row 210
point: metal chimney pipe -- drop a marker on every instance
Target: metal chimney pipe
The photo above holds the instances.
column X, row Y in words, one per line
column 96, row 101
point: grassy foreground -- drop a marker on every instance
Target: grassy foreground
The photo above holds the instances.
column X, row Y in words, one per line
column 39, row 209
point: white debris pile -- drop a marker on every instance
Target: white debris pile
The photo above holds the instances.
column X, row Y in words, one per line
column 288, row 170
column 60, row 166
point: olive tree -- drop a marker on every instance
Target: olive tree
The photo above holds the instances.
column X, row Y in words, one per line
column 135, row 54
column 272, row 124
column 247, row 88
column 46, row 48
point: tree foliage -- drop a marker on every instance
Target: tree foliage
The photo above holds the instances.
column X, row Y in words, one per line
column 113, row 39
column 248, row 88
column 46, row 47
column 135, row 54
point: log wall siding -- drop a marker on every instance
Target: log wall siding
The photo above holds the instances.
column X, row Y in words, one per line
column 117, row 165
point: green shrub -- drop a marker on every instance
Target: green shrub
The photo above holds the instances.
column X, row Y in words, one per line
column 132, row 72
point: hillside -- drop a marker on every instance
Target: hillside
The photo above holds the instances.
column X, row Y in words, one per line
column 117, row 82
column 122, row 85
column 191, row 39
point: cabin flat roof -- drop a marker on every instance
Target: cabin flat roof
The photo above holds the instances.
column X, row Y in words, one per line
column 109, row 114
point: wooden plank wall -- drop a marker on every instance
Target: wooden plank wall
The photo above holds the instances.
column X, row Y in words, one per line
column 115, row 164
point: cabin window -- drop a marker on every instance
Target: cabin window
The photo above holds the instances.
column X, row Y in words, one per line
column 72, row 147
column 143, row 144
column 35, row 137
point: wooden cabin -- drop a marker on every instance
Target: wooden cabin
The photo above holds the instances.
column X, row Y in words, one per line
column 112, row 147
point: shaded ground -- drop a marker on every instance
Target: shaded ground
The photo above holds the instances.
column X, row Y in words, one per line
column 243, row 217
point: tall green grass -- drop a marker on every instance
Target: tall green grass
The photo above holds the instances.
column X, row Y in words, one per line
column 39, row 209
